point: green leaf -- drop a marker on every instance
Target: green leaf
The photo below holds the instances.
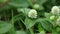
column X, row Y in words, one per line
column 41, row 1
column 54, row 31
column 24, row 11
column 58, row 29
column 6, row 7
column 40, row 27
column 20, row 32
column 19, row 3
column 45, row 24
column 47, row 15
column 4, row 27
column 29, row 23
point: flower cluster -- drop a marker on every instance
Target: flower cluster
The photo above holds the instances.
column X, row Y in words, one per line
column 32, row 13
column 55, row 10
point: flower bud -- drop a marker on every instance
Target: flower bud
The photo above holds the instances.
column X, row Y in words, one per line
column 20, row 10
column 55, row 10
column 32, row 13
column 42, row 32
column 58, row 21
column 36, row 6
column 52, row 17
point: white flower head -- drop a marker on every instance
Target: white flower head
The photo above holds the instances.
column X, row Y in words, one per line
column 55, row 10
column 52, row 17
column 58, row 21
column 32, row 13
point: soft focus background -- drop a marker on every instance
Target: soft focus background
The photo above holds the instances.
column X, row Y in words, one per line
column 14, row 20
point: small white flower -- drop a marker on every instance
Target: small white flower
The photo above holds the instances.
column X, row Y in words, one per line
column 55, row 10
column 32, row 13
column 58, row 21
column 52, row 17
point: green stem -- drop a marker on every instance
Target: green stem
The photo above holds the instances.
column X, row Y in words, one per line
column 12, row 23
column 31, row 31
column 22, row 20
column 5, row 16
column 20, row 25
